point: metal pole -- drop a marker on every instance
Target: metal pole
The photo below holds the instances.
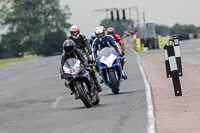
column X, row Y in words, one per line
column 130, row 13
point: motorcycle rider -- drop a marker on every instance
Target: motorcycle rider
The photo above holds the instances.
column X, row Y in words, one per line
column 102, row 41
column 93, row 36
column 80, row 40
column 70, row 51
column 111, row 31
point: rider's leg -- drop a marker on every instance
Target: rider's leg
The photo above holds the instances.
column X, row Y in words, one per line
column 71, row 87
column 123, row 61
column 92, row 73
column 95, row 67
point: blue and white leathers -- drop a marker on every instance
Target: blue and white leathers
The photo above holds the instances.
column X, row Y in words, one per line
column 109, row 65
column 107, row 42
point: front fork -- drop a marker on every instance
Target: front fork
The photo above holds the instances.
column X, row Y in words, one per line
column 115, row 74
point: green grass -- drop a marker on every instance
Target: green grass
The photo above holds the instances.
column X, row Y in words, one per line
column 5, row 61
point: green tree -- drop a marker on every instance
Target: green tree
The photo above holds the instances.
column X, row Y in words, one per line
column 182, row 29
column 36, row 26
column 119, row 25
column 163, row 30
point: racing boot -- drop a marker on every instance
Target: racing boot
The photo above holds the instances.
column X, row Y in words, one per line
column 124, row 76
column 101, row 80
column 72, row 92
column 92, row 73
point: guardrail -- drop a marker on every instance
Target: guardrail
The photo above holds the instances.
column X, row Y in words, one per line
column 139, row 44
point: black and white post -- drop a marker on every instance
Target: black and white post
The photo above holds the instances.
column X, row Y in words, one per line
column 174, row 70
column 168, row 72
column 177, row 54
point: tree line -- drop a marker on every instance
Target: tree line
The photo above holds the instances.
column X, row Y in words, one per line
column 34, row 26
column 119, row 25
column 177, row 29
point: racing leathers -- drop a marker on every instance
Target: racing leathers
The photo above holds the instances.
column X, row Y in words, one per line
column 107, row 42
column 118, row 40
column 82, row 43
column 78, row 54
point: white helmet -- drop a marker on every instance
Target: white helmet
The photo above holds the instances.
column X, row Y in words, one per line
column 93, row 36
column 100, row 30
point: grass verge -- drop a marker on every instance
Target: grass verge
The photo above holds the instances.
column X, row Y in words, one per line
column 5, row 61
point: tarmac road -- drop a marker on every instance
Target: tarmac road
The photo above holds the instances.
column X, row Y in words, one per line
column 33, row 99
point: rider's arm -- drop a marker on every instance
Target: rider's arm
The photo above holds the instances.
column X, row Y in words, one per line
column 94, row 45
column 81, row 57
column 63, row 59
column 112, row 43
column 87, row 44
column 118, row 39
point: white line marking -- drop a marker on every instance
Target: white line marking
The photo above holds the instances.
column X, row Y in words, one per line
column 54, row 104
column 150, row 111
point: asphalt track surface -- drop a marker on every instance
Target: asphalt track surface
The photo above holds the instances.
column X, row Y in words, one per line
column 33, row 99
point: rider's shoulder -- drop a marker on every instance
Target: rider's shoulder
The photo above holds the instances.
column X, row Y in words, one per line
column 82, row 36
column 78, row 51
column 117, row 36
column 96, row 41
column 108, row 37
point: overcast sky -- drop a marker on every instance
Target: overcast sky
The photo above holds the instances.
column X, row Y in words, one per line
column 166, row 12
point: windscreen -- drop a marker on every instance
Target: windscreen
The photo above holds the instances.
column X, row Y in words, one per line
column 69, row 63
column 105, row 52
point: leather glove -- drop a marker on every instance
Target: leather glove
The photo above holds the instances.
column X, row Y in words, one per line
column 120, row 55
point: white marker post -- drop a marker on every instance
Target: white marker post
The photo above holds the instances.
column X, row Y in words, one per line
column 168, row 72
column 174, row 70
column 177, row 54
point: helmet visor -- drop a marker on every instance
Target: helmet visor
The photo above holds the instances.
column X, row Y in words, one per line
column 100, row 35
column 75, row 33
column 110, row 33
column 68, row 49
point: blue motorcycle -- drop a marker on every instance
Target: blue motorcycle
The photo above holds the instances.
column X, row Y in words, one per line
column 109, row 65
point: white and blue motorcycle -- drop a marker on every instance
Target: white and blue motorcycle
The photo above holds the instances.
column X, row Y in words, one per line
column 110, row 68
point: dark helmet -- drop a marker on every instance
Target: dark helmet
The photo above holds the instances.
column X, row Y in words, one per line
column 69, row 46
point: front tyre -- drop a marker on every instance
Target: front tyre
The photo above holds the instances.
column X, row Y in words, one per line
column 97, row 100
column 85, row 98
column 113, row 82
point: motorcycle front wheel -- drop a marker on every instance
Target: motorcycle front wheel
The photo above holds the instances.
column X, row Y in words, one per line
column 97, row 100
column 85, row 98
column 113, row 82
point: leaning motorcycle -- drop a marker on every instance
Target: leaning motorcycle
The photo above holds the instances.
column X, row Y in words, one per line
column 83, row 84
column 110, row 68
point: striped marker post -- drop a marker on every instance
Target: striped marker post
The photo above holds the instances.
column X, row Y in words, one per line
column 168, row 72
column 177, row 54
column 174, row 70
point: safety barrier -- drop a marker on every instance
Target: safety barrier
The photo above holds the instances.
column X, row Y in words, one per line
column 137, row 46
column 173, row 63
